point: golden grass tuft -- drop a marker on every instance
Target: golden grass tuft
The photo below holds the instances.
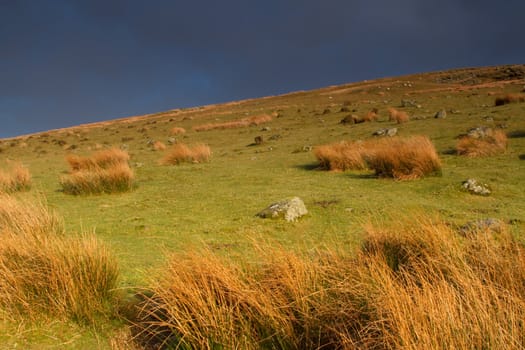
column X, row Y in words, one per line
column 509, row 98
column 341, row 156
column 494, row 143
column 399, row 158
column 397, row 116
column 44, row 273
column 16, row 179
column 371, row 116
column 234, row 124
column 106, row 171
column 419, row 285
column 159, row 146
column 403, row 158
column 177, row 131
column 182, row 153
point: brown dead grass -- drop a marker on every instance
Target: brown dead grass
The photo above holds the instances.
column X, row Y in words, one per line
column 159, row 146
column 106, row 171
column 397, row 116
column 16, row 179
column 182, row 153
column 398, row 158
column 493, row 144
column 403, row 158
column 177, row 131
column 341, row 156
column 234, row 124
column 44, row 273
column 415, row 286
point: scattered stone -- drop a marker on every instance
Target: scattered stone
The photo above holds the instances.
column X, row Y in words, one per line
column 258, row 140
column 266, row 128
column 474, row 187
column 408, row 103
column 442, row 114
column 290, row 209
column 483, row 225
column 480, row 132
column 275, row 137
column 386, row 132
column 172, row 140
column 344, row 109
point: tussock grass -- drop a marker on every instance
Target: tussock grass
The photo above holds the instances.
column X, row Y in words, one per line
column 411, row 287
column 397, row 116
column 16, row 179
column 234, row 124
column 159, row 146
column 177, row 131
column 341, row 156
column 492, row 144
column 399, row 158
column 106, row 171
column 103, row 159
column 44, row 273
column 182, row 153
column 509, row 98
column 403, row 158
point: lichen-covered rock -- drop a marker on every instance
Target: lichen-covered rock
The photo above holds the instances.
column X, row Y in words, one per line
column 474, row 187
column 290, row 209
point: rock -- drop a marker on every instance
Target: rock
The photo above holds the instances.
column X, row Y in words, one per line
column 483, row 225
column 386, row 132
column 408, row 103
column 290, row 209
column 480, row 132
column 275, row 137
column 474, row 187
column 266, row 128
column 258, row 140
column 442, row 114
column 391, row 132
column 172, row 140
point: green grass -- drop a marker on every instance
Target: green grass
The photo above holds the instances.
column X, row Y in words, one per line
column 190, row 206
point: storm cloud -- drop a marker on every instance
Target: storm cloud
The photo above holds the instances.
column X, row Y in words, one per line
column 68, row 62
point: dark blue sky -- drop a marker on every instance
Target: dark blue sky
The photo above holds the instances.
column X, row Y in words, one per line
column 66, row 62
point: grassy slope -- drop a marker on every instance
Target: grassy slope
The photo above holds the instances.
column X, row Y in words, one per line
column 179, row 207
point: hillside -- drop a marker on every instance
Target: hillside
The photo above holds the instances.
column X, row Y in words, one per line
column 270, row 156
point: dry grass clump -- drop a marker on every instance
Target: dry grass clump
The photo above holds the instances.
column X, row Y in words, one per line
column 159, row 146
column 239, row 123
column 45, row 273
column 341, row 156
column 177, row 131
column 420, row 286
column 371, row 116
column 399, row 158
column 16, row 179
column 104, row 159
column 106, row 171
column 182, row 153
column 509, row 98
column 492, row 143
column 403, row 158
column 397, row 116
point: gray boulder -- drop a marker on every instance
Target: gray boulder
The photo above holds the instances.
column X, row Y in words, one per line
column 480, row 132
column 290, row 209
column 442, row 114
column 474, row 187
column 386, row 132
